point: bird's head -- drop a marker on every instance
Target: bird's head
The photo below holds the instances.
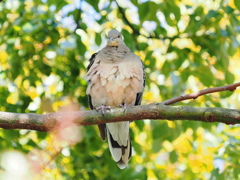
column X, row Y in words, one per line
column 114, row 38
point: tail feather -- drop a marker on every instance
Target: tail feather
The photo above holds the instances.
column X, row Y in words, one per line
column 121, row 164
column 126, row 152
column 115, row 151
column 121, row 154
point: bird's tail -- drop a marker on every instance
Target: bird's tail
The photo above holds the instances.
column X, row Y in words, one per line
column 119, row 143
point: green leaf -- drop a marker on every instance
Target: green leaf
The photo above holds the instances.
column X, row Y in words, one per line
column 213, row 13
column 166, row 68
column 137, row 147
column 173, row 156
column 148, row 55
column 156, row 145
column 236, row 172
column 143, row 46
column 135, row 2
column 178, row 62
column 143, row 8
column 31, row 143
column 94, row 4
column 148, row 11
column 59, row 4
column 216, row 175
column 160, row 31
column 176, row 10
column 205, row 75
column 140, row 125
column 170, row 21
column 225, row 94
column 152, row 64
column 42, row 135
column 237, row 4
column 161, row 130
column 81, row 47
column 199, row 11
column 229, row 10
column 98, row 39
column 129, row 42
column 185, row 74
column 229, row 77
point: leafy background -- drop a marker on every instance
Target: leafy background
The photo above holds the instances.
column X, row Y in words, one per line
column 186, row 45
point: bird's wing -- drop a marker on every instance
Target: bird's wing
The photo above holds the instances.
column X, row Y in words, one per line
column 91, row 61
column 139, row 94
column 101, row 127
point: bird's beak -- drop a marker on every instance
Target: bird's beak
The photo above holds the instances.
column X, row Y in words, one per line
column 112, row 42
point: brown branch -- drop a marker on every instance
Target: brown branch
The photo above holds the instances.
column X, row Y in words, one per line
column 195, row 95
column 56, row 121
column 154, row 111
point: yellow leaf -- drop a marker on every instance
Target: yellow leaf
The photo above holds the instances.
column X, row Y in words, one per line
column 3, row 56
column 3, row 60
column 13, row 98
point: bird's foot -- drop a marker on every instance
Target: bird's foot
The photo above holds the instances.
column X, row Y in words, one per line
column 125, row 106
column 102, row 108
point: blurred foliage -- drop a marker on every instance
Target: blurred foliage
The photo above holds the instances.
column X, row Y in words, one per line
column 186, row 45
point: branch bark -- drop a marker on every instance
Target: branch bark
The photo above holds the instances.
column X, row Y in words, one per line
column 195, row 95
column 50, row 121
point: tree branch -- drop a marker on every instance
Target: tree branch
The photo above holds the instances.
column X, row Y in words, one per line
column 230, row 87
column 153, row 111
column 136, row 32
column 157, row 111
column 122, row 12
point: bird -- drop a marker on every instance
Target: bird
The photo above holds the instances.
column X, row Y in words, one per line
column 116, row 78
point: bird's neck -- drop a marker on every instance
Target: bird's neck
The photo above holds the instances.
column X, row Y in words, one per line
column 115, row 53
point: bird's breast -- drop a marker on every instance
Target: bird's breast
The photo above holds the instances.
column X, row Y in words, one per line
column 116, row 83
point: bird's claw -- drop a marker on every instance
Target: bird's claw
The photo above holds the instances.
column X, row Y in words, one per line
column 125, row 106
column 102, row 108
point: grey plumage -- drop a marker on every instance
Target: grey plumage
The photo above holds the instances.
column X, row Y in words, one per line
column 115, row 78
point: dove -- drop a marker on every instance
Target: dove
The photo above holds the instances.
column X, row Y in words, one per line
column 115, row 79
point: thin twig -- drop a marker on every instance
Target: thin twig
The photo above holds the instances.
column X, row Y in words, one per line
column 195, row 95
column 79, row 15
column 136, row 31
column 121, row 10
column 54, row 156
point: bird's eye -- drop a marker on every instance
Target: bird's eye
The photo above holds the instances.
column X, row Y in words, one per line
column 119, row 36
